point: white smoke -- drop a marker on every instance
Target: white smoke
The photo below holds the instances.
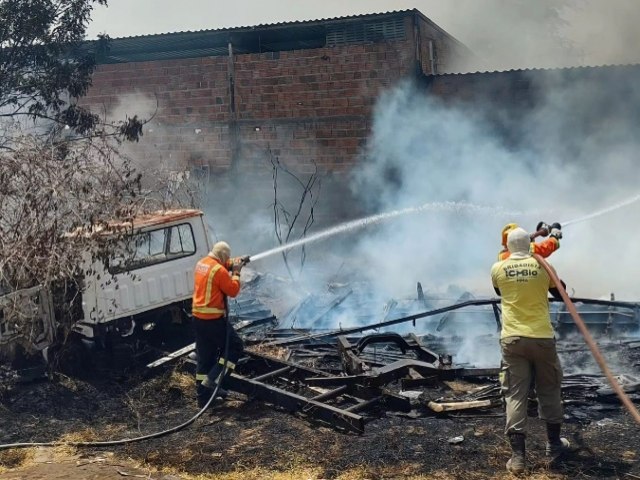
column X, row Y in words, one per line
column 423, row 151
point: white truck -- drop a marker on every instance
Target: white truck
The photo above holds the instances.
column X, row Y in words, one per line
column 143, row 289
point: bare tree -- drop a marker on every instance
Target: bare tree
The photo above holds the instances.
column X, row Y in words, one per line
column 61, row 170
column 54, row 199
column 293, row 222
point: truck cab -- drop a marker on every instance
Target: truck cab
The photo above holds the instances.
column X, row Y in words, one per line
column 135, row 286
column 147, row 277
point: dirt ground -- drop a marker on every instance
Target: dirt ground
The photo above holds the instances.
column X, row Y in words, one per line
column 245, row 439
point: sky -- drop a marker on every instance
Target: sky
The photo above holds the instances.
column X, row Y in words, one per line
column 504, row 34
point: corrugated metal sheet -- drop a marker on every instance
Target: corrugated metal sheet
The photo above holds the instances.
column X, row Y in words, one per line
column 265, row 26
column 578, row 68
column 282, row 36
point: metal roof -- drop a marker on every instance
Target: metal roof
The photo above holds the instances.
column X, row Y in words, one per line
column 264, row 26
column 260, row 38
column 573, row 69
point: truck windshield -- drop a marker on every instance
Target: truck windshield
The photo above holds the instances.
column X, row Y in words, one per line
column 153, row 247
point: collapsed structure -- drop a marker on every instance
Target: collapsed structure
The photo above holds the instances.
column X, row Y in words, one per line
column 345, row 377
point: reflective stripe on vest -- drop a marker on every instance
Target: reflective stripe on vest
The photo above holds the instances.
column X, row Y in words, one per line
column 207, row 296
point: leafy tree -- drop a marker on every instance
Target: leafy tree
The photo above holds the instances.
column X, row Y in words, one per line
column 46, row 65
column 61, row 166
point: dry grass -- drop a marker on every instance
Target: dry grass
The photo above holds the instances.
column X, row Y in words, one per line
column 247, row 440
column 273, row 351
column 71, row 384
column 16, row 458
column 358, row 473
column 65, row 450
column 84, row 435
column 181, row 381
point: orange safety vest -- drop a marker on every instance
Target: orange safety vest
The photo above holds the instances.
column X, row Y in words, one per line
column 212, row 284
column 544, row 248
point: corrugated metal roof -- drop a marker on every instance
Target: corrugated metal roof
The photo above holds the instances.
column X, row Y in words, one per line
column 274, row 37
column 264, row 26
column 548, row 69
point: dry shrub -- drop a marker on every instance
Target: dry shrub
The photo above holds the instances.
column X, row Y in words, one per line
column 16, row 458
column 66, row 204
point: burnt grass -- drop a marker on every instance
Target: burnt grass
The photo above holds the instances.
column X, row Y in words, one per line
column 241, row 434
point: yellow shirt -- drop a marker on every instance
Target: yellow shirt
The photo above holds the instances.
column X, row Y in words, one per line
column 523, row 286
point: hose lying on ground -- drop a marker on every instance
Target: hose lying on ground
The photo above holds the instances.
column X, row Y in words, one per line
column 123, row 441
column 595, row 351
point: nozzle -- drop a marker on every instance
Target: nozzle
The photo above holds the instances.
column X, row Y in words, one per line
column 246, row 259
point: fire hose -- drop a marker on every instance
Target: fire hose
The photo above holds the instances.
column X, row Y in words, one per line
column 108, row 443
column 123, row 441
column 595, row 351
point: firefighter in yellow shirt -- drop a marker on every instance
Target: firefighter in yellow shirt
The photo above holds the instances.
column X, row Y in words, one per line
column 528, row 347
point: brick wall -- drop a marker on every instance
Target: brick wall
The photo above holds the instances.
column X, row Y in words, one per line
column 306, row 106
column 310, row 108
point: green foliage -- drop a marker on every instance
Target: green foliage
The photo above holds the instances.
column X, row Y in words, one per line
column 46, row 65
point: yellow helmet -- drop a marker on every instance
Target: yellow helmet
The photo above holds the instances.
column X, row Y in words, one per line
column 505, row 231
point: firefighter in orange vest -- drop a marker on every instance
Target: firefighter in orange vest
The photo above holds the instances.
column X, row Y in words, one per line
column 213, row 284
column 544, row 248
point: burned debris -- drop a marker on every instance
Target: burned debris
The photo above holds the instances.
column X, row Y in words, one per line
column 349, row 376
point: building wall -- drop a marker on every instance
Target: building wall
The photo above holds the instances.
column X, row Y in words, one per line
column 309, row 109
column 436, row 51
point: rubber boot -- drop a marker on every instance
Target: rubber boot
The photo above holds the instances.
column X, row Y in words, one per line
column 205, row 390
column 203, row 394
column 556, row 445
column 516, row 463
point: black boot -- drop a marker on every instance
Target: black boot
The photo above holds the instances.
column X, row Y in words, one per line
column 203, row 394
column 556, row 445
column 516, row 463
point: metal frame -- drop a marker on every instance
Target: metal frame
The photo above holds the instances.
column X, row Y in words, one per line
column 495, row 302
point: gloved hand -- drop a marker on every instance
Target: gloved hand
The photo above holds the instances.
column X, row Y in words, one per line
column 556, row 231
column 238, row 263
column 544, row 228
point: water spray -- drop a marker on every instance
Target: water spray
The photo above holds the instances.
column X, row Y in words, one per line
column 452, row 207
column 604, row 211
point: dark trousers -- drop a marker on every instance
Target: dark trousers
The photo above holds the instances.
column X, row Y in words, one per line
column 211, row 336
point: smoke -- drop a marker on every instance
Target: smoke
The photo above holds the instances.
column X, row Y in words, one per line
column 574, row 154
column 570, row 153
column 542, row 34
column 144, row 106
column 572, row 158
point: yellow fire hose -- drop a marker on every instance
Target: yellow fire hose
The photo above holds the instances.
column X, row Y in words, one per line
column 595, row 351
